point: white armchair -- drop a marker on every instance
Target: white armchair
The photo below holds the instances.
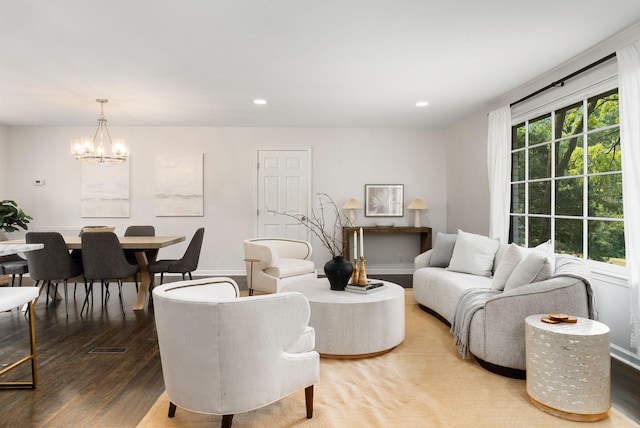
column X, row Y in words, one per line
column 272, row 263
column 209, row 339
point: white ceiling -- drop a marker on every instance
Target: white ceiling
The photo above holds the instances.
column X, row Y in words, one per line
column 345, row 63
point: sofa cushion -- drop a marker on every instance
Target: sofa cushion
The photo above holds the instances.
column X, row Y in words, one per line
column 510, row 259
column 499, row 254
column 439, row 289
column 535, row 266
column 283, row 268
column 473, row 254
column 442, row 249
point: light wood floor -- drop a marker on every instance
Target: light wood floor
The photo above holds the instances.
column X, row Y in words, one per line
column 79, row 387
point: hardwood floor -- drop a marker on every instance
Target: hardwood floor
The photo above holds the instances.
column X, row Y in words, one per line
column 625, row 389
column 78, row 387
column 81, row 388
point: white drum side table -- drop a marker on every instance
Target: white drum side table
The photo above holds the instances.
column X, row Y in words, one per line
column 352, row 325
column 569, row 368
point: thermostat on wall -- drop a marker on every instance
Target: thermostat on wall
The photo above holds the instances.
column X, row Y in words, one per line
column 38, row 182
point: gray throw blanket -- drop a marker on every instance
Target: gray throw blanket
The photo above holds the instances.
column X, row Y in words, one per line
column 474, row 299
column 576, row 268
column 469, row 303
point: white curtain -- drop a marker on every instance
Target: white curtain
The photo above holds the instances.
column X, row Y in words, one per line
column 499, row 166
column 629, row 92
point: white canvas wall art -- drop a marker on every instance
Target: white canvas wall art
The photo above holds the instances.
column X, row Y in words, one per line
column 104, row 189
column 179, row 185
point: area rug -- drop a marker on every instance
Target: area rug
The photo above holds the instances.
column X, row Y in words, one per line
column 423, row 382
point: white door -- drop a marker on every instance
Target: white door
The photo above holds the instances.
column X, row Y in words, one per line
column 284, row 185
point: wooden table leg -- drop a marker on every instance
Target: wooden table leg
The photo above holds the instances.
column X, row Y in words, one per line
column 144, row 257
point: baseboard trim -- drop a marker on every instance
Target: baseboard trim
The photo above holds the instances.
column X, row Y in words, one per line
column 625, row 356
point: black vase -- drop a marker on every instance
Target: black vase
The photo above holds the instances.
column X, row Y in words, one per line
column 338, row 271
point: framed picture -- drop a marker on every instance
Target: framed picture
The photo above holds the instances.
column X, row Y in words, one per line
column 384, row 200
column 179, row 185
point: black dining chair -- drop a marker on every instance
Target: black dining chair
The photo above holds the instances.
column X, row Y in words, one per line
column 144, row 230
column 12, row 264
column 53, row 263
column 187, row 264
column 13, row 268
column 104, row 260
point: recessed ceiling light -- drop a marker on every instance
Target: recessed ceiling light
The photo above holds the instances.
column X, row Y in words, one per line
column 422, row 103
column 260, row 102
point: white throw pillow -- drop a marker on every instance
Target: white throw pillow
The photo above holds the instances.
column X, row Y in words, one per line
column 536, row 266
column 512, row 256
column 473, row 254
column 442, row 249
column 545, row 246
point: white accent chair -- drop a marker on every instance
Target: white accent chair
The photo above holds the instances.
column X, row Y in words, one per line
column 272, row 263
column 223, row 355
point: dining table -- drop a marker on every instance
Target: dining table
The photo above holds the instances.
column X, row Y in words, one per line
column 12, row 248
column 145, row 249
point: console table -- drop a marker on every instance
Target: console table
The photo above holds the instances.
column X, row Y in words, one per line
column 424, row 232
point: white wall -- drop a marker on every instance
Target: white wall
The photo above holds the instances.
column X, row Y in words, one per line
column 467, row 178
column 343, row 161
column 3, row 161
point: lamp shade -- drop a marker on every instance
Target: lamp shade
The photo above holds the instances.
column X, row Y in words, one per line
column 352, row 204
column 417, row 204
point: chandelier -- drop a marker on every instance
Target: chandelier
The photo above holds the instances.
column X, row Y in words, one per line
column 89, row 149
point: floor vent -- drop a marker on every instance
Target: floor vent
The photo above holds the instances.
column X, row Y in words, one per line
column 109, row 350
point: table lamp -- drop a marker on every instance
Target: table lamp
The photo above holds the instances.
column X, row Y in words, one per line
column 352, row 205
column 417, row 205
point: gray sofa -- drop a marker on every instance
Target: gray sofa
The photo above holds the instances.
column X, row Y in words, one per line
column 495, row 332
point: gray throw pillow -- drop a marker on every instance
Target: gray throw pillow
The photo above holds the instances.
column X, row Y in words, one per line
column 442, row 249
column 511, row 258
column 535, row 266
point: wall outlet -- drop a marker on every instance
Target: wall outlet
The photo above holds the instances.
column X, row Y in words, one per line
column 38, row 182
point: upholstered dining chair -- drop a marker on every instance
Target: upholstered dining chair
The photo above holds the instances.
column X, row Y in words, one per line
column 144, row 230
column 13, row 268
column 272, row 263
column 209, row 341
column 104, row 260
column 137, row 230
column 53, row 263
column 12, row 264
column 185, row 265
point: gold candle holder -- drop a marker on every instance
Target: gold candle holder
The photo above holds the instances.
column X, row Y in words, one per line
column 362, row 273
column 354, row 275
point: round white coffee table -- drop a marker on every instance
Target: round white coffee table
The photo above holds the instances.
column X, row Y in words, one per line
column 352, row 325
column 568, row 368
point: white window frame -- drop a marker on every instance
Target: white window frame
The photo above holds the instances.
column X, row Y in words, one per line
column 603, row 80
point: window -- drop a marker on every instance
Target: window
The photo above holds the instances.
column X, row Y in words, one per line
column 566, row 180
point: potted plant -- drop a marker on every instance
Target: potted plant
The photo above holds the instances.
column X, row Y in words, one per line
column 338, row 270
column 12, row 217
